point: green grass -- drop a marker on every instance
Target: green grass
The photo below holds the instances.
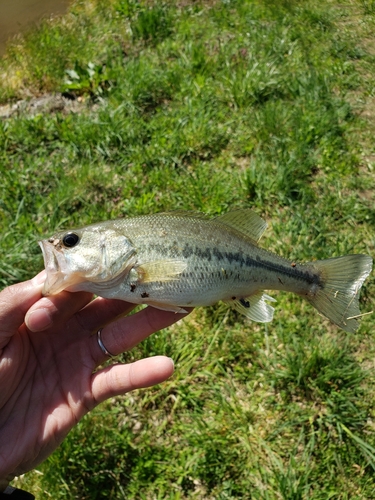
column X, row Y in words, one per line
column 209, row 106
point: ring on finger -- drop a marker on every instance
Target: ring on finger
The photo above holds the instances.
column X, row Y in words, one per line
column 102, row 346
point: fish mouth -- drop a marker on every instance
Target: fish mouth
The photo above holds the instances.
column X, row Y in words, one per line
column 55, row 264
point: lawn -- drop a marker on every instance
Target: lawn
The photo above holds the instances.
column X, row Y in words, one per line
column 210, row 106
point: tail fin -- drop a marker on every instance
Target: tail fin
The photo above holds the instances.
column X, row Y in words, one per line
column 337, row 298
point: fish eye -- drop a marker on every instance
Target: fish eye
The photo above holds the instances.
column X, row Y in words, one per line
column 70, row 240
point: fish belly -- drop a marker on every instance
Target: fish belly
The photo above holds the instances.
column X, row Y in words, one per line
column 196, row 286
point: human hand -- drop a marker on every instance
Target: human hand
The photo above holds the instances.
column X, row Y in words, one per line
column 48, row 358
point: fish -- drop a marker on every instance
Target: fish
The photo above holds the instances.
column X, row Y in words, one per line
column 178, row 260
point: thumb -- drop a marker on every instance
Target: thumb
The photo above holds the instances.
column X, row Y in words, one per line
column 15, row 300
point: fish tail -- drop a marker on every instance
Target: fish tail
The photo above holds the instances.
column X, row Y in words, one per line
column 336, row 297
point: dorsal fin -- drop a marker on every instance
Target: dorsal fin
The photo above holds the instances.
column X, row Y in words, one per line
column 191, row 214
column 245, row 221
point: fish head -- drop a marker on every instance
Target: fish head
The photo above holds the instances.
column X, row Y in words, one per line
column 93, row 254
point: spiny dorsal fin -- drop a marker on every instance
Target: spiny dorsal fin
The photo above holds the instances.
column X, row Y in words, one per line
column 189, row 214
column 245, row 221
column 160, row 270
column 255, row 307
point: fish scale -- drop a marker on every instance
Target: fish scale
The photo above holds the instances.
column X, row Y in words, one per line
column 177, row 260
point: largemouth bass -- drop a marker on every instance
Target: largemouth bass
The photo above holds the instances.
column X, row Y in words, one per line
column 177, row 260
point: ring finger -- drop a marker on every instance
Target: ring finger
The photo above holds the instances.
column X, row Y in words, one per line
column 125, row 333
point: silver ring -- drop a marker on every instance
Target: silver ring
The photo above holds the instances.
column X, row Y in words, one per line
column 102, row 346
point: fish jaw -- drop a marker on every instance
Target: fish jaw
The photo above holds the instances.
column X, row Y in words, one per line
column 55, row 264
column 100, row 259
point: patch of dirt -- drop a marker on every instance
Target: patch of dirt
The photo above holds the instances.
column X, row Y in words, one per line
column 48, row 103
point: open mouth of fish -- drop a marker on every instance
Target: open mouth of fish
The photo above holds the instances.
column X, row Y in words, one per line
column 55, row 263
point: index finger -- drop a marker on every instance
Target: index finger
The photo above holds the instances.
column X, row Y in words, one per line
column 15, row 300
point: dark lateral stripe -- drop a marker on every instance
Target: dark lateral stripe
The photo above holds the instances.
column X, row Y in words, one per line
column 278, row 268
column 286, row 270
column 242, row 260
column 198, row 252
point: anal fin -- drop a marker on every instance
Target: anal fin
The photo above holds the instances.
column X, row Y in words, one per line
column 166, row 307
column 255, row 307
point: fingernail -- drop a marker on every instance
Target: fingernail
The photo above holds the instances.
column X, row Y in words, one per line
column 38, row 320
column 39, row 278
column 172, row 362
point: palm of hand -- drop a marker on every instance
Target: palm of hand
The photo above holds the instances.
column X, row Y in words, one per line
column 47, row 368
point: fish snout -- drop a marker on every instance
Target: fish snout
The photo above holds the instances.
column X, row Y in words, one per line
column 55, row 280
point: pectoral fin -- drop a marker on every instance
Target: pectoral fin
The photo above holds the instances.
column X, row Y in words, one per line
column 161, row 270
column 255, row 307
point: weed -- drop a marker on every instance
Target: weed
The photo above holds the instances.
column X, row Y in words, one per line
column 93, row 80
